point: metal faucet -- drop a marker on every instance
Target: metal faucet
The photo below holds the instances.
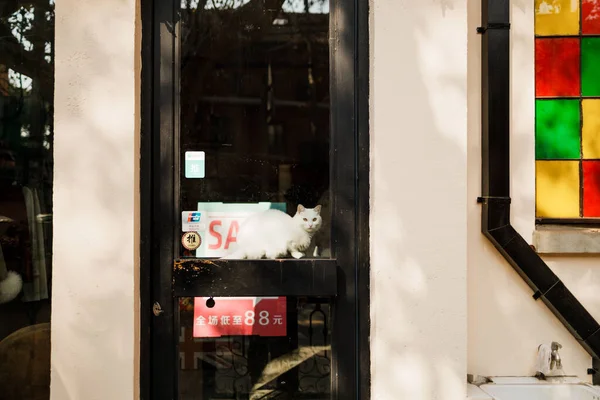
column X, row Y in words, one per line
column 548, row 360
column 555, row 361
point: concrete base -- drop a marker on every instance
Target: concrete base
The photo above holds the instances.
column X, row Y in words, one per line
column 556, row 239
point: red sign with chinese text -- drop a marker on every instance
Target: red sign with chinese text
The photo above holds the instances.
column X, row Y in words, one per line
column 246, row 316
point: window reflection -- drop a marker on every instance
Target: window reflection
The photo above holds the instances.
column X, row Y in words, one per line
column 255, row 100
column 26, row 136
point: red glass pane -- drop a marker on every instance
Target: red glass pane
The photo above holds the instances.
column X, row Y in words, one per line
column 557, row 67
column 591, row 189
column 590, row 17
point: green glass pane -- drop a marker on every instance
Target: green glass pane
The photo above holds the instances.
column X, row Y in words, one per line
column 590, row 66
column 557, row 127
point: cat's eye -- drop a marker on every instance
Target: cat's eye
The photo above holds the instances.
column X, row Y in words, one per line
column 314, row 219
column 305, row 219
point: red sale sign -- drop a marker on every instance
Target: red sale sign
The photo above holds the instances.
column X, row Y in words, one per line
column 218, row 224
column 261, row 316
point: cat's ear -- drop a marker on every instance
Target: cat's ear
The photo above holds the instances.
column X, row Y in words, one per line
column 301, row 208
column 318, row 209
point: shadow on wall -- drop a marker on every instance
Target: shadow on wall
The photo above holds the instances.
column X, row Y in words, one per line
column 93, row 321
column 418, row 181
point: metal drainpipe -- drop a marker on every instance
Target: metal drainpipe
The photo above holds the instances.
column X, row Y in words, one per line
column 495, row 198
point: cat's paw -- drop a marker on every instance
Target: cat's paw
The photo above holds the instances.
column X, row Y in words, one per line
column 297, row 254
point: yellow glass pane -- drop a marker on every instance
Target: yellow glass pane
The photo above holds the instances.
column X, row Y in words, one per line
column 557, row 189
column 590, row 134
column 556, row 17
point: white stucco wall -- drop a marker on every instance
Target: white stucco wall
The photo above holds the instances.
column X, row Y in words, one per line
column 505, row 324
column 419, row 199
column 95, row 163
column 425, row 224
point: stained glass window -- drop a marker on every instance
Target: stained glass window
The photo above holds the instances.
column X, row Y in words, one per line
column 567, row 108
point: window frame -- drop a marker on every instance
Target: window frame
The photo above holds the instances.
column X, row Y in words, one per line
column 547, row 222
column 344, row 278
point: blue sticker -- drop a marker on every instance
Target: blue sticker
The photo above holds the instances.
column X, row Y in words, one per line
column 194, row 164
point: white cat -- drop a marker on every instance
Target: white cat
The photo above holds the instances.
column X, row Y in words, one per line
column 273, row 233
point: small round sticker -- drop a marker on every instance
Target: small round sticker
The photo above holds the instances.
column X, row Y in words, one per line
column 191, row 240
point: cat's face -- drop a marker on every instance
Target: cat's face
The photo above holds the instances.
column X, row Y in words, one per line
column 309, row 218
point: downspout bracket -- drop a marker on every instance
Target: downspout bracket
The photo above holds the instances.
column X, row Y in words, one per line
column 493, row 25
column 493, row 200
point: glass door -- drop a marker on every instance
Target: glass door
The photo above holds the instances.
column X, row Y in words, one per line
column 254, row 200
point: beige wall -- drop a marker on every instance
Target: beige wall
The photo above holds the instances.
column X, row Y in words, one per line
column 95, row 151
column 505, row 324
column 418, row 199
column 424, row 152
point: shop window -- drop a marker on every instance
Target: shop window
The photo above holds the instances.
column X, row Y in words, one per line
column 26, row 137
column 252, row 169
column 255, row 100
column 567, row 110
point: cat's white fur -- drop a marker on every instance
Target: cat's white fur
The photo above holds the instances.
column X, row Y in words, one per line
column 273, row 234
column 10, row 287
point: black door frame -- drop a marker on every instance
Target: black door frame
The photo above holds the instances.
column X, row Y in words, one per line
column 349, row 179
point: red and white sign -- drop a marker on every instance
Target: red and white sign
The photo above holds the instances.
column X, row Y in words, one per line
column 218, row 225
column 222, row 232
column 261, row 316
